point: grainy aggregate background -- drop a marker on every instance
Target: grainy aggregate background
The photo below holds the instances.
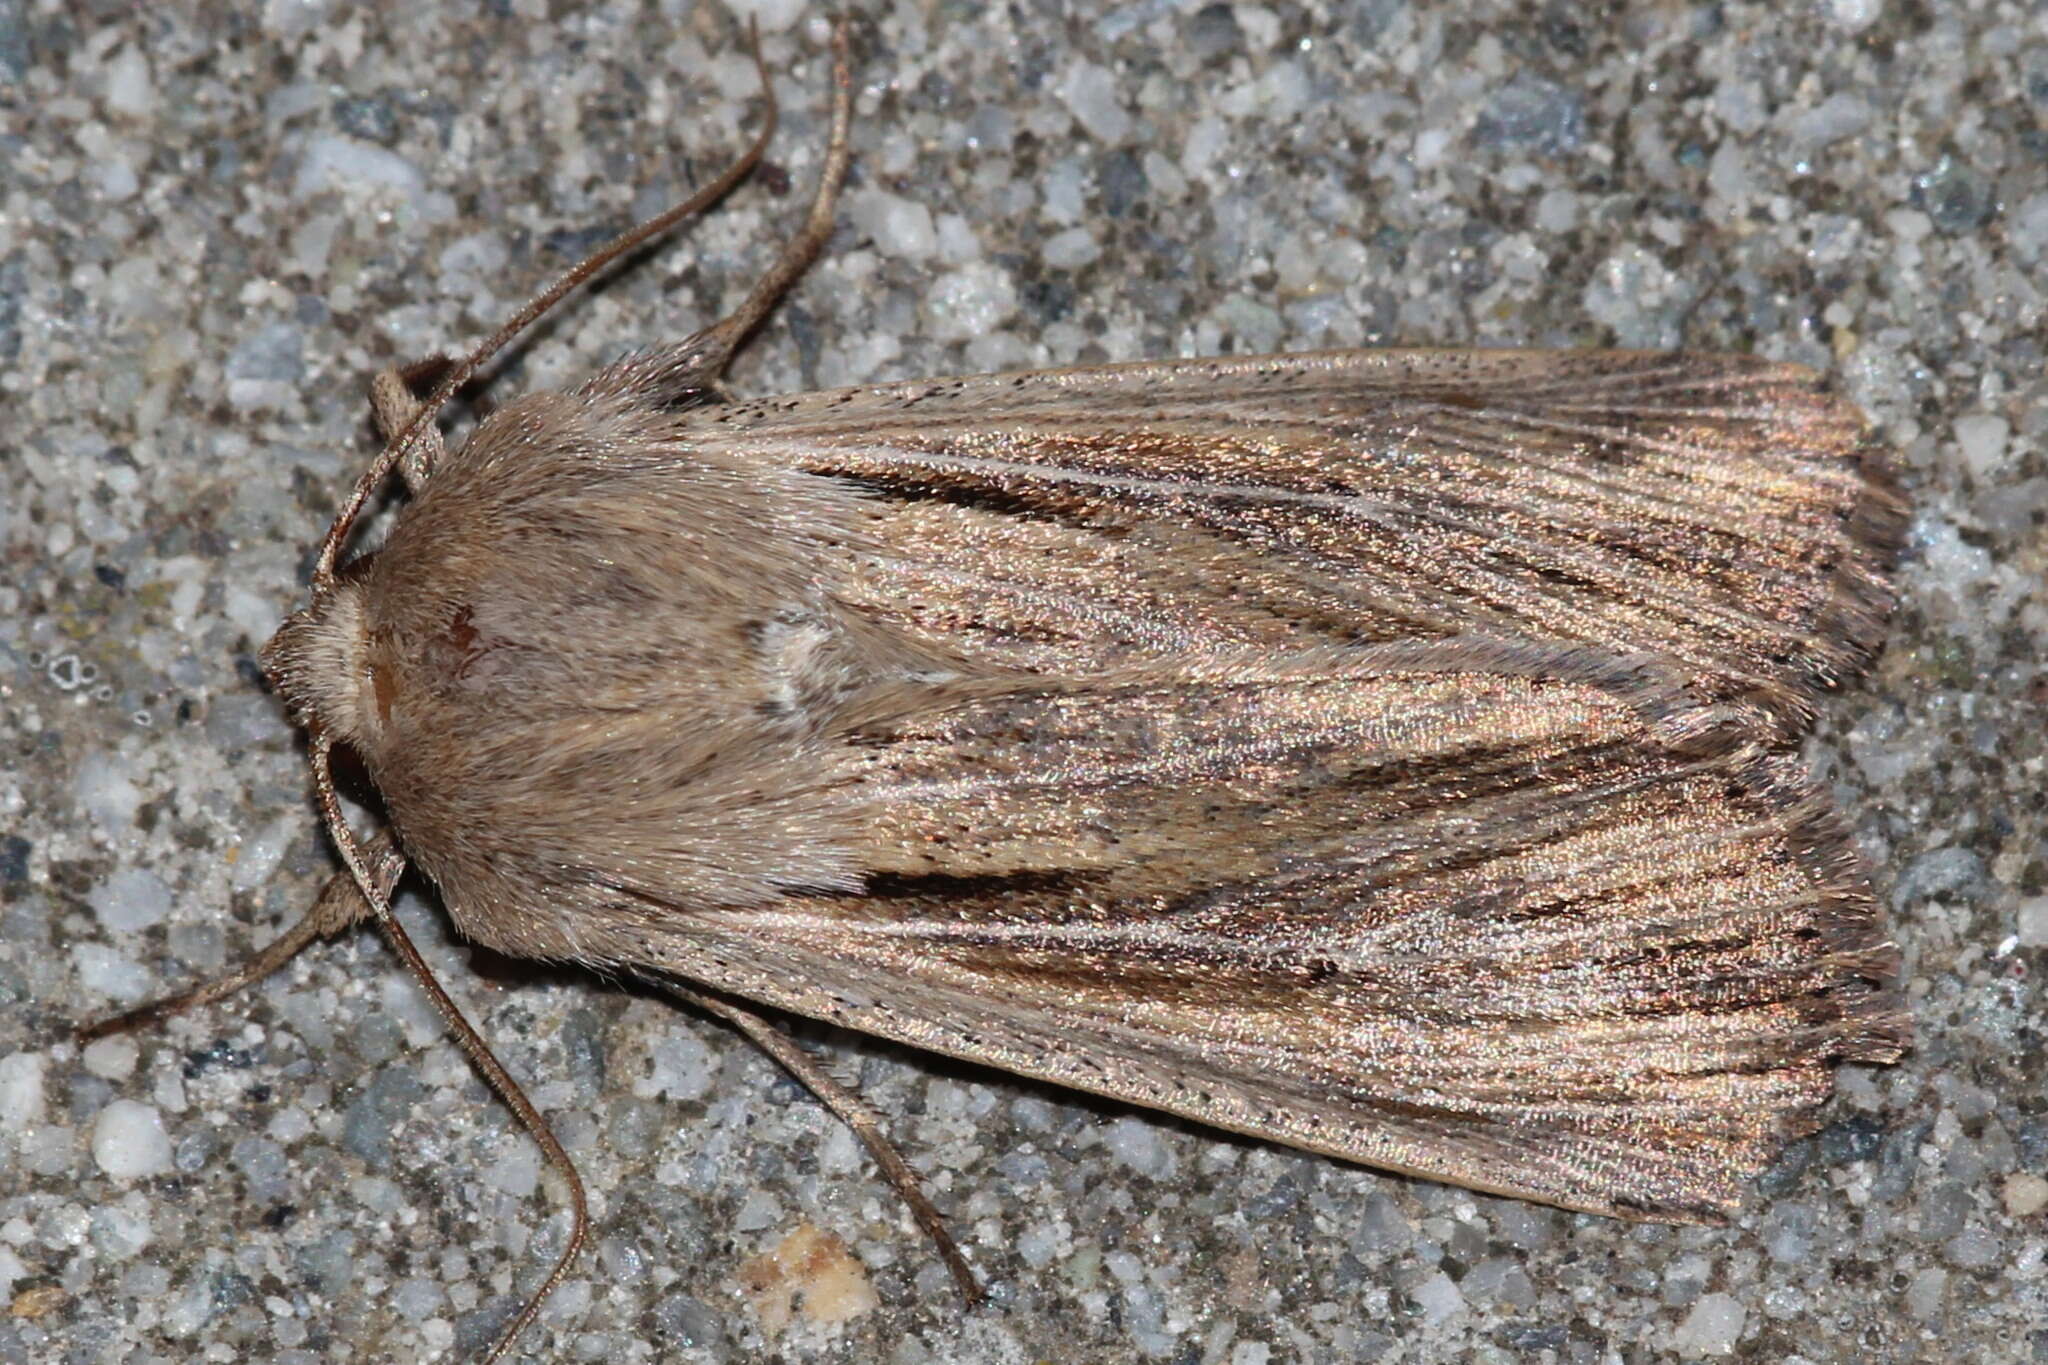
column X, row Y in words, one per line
column 216, row 220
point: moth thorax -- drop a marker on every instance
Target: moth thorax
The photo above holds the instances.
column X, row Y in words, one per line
column 319, row 661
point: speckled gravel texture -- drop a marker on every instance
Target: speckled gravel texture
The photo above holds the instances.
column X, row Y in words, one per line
column 217, row 220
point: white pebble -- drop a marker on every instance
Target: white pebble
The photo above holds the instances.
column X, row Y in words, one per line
column 1137, row 1144
column 121, row 1233
column 899, row 227
column 1071, row 249
column 957, row 242
column 258, row 855
column 1091, row 95
column 517, row 1170
column 679, row 1067
column 1712, row 1327
column 111, row 1059
column 2027, row 228
column 1983, row 439
column 103, row 971
column 1924, row 1295
column 21, row 1091
column 130, row 899
column 129, row 1141
column 773, row 15
column 377, row 1194
column 479, row 256
column 758, row 1210
column 1439, row 1298
column 2033, row 922
column 290, row 18
column 1205, row 142
column 968, row 302
column 105, row 789
column 254, row 613
column 130, row 90
column 332, row 161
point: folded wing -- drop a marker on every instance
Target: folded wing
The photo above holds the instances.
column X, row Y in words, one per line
column 1512, row 917
column 1719, row 510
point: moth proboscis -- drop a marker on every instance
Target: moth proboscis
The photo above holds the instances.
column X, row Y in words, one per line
column 1386, row 753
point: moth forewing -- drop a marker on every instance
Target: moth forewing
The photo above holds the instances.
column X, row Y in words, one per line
column 1517, row 917
column 1720, row 510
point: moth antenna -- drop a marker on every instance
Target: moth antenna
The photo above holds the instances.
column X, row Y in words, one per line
column 852, row 1111
column 472, row 1043
column 405, row 445
column 725, row 336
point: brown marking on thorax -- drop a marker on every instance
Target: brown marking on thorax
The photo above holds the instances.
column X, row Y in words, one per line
column 383, row 686
column 467, row 639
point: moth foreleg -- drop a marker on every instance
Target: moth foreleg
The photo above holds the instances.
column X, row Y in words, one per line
column 394, row 403
column 340, row 905
column 852, row 1111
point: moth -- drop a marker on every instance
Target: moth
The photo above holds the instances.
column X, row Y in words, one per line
column 1385, row 753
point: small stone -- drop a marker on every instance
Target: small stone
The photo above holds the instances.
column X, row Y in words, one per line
column 1973, row 1248
column 1383, row 1230
column 517, row 1170
column 1925, row 1293
column 102, row 971
column 111, row 1059
column 21, row 1091
column 335, row 161
column 1138, row 1144
column 131, row 90
column 1533, row 115
column 2025, row 1194
column 1093, row 96
column 1072, row 249
column 1712, row 1327
column 1983, row 439
column 120, row 1233
column 131, row 899
column 1213, row 32
column 417, row 1298
column 774, row 16
column 275, row 353
column 2033, row 922
column 809, row 1273
column 14, row 851
column 1438, row 1298
column 129, row 1141
column 1956, row 195
column 2027, row 228
column 1837, row 117
column 679, row 1067
column 367, row 117
column 969, row 302
column 898, row 227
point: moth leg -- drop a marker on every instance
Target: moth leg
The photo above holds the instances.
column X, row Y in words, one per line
column 339, row 906
column 394, row 403
column 852, row 1111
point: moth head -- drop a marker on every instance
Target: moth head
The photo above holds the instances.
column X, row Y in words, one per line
column 320, row 663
